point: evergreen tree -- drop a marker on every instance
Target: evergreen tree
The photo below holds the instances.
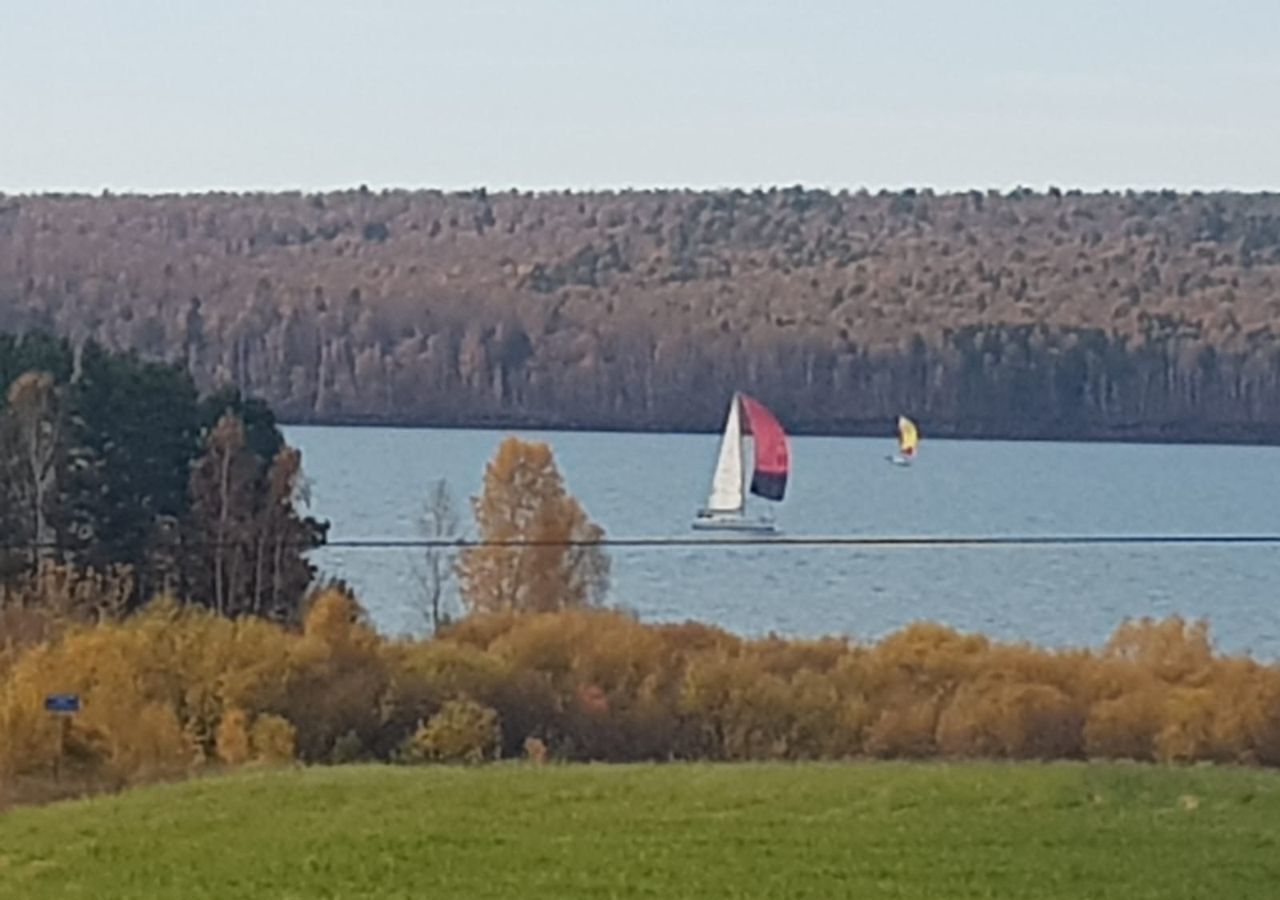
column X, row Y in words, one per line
column 134, row 434
column 107, row 461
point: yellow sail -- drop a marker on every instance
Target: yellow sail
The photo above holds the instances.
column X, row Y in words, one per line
column 908, row 436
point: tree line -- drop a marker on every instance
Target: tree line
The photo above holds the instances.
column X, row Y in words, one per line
column 114, row 467
column 176, row 690
column 1023, row 314
column 118, row 484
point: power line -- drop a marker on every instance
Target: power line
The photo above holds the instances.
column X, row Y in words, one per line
column 867, row 541
column 738, row 540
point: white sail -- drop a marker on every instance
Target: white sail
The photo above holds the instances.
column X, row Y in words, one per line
column 726, row 484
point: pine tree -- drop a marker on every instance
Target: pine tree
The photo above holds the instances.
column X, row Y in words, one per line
column 133, row 435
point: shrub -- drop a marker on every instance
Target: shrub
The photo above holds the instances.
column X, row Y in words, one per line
column 905, row 731
column 233, row 738
column 337, row 680
column 1124, row 727
column 173, row 686
column 1019, row 721
column 346, row 749
column 462, row 732
column 273, row 739
column 535, row 751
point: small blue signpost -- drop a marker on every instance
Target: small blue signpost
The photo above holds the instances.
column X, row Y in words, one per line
column 62, row 703
column 64, row 706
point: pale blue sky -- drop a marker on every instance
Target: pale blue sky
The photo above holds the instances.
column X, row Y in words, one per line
column 147, row 95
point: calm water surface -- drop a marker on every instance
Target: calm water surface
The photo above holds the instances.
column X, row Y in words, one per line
column 370, row 482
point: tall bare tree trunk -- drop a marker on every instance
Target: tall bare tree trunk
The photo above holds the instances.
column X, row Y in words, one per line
column 220, row 536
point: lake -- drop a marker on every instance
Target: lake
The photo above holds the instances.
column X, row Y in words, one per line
column 371, row 483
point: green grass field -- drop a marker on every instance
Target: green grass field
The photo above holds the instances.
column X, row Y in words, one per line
column 859, row 830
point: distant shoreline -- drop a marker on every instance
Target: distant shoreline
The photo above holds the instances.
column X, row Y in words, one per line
column 1254, row 436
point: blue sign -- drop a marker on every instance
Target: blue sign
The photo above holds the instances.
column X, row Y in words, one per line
column 62, row 703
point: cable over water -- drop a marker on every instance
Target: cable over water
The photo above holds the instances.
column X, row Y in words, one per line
column 868, row 541
column 907, row 542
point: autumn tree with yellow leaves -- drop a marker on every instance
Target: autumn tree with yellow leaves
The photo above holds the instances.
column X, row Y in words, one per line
column 539, row 550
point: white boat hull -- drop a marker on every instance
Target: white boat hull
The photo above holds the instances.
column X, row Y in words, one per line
column 733, row 522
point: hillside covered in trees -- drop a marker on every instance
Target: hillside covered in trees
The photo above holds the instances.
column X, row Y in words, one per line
column 1135, row 315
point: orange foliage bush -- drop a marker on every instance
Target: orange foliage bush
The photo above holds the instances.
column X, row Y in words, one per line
column 273, row 739
column 233, row 738
column 173, row 688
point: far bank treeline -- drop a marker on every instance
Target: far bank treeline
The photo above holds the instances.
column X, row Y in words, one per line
column 119, row 482
column 1146, row 315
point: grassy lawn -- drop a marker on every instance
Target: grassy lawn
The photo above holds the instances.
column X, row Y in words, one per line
column 859, row 830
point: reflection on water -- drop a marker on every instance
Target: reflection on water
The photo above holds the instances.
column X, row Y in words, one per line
column 370, row 483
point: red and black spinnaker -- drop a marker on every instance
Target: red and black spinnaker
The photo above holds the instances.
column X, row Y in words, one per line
column 772, row 458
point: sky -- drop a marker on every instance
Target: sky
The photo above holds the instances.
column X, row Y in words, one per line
column 150, row 96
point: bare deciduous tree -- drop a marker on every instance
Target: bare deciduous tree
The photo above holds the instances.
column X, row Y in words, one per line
column 33, row 436
column 440, row 522
column 247, row 538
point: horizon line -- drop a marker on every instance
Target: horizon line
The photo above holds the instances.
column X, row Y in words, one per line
column 390, row 188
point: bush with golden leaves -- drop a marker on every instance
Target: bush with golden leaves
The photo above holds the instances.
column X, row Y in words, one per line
column 273, row 739
column 463, row 731
column 173, row 688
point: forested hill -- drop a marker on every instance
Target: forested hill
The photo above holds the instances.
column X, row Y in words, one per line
column 1138, row 315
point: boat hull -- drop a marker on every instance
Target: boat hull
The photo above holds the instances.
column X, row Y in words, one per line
column 733, row 523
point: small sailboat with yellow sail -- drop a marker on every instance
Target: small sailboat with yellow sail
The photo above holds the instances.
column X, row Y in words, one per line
column 908, row 441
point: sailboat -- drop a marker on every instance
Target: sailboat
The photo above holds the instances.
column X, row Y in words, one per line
column 908, row 440
column 726, row 506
